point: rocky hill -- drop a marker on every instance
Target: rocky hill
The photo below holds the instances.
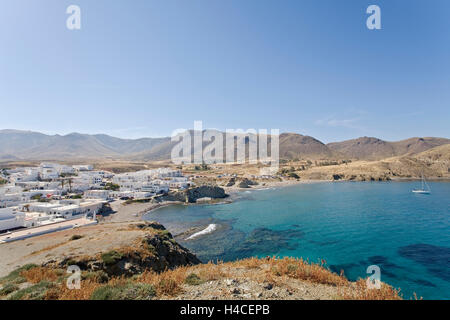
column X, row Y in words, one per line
column 296, row 146
column 142, row 261
column 433, row 163
column 366, row 148
column 26, row 145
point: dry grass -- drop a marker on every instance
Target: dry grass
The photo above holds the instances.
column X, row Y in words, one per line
column 250, row 263
column 39, row 274
column 360, row 291
column 211, row 271
column 303, row 270
column 63, row 293
column 170, row 283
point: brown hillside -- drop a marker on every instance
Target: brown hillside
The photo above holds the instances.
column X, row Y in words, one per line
column 367, row 148
column 296, row 146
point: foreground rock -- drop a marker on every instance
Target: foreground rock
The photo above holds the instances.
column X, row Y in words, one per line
column 156, row 251
column 142, row 261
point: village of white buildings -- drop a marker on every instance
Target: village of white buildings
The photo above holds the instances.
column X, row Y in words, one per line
column 51, row 197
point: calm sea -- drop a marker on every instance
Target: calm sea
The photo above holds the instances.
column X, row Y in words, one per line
column 351, row 225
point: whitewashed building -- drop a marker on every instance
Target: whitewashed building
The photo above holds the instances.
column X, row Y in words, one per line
column 11, row 219
column 97, row 194
column 83, row 167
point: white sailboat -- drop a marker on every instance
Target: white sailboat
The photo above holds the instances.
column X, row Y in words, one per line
column 423, row 190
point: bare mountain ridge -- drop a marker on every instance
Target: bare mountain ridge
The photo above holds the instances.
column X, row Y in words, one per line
column 28, row 145
column 369, row 148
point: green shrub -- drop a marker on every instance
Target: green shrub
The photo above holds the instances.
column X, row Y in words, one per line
column 164, row 234
column 111, row 257
column 292, row 268
column 75, row 237
column 36, row 197
column 8, row 288
column 150, row 247
column 98, row 276
column 112, row 186
column 193, row 280
column 14, row 277
column 130, row 291
column 36, row 292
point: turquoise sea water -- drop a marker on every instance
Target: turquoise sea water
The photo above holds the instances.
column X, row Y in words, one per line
column 351, row 225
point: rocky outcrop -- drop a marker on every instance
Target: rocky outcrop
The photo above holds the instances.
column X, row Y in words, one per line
column 360, row 177
column 156, row 251
column 364, row 177
column 191, row 195
column 231, row 182
column 246, row 183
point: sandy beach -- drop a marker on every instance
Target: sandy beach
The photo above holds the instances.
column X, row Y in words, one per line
column 131, row 212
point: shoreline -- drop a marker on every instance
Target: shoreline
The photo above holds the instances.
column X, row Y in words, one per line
column 132, row 212
column 135, row 211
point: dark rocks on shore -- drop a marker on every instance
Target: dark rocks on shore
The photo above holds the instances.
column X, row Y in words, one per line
column 359, row 177
column 243, row 185
column 231, row 182
column 193, row 194
column 246, row 183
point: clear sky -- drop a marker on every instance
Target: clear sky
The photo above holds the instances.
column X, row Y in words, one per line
column 146, row 67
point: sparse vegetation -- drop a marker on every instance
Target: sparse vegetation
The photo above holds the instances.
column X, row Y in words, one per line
column 202, row 167
column 127, row 291
column 193, row 280
column 36, row 197
column 35, row 292
column 112, row 186
column 269, row 272
column 130, row 201
column 15, row 277
column 40, row 274
column 96, row 276
column 8, row 288
column 67, row 174
column 111, row 257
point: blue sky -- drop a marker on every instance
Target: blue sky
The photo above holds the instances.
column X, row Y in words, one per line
column 146, row 67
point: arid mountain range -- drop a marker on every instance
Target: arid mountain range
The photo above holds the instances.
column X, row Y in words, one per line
column 28, row 145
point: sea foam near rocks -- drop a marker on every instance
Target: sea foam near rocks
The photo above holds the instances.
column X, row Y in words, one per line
column 211, row 228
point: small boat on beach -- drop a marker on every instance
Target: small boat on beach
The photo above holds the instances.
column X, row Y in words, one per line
column 423, row 190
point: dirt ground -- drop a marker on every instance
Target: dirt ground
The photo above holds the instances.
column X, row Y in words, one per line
column 58, row 245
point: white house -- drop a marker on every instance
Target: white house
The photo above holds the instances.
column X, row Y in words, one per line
column 10, row 199
column 10, row 219
column 48, row 173
column 83, row 167
column 97, row 194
